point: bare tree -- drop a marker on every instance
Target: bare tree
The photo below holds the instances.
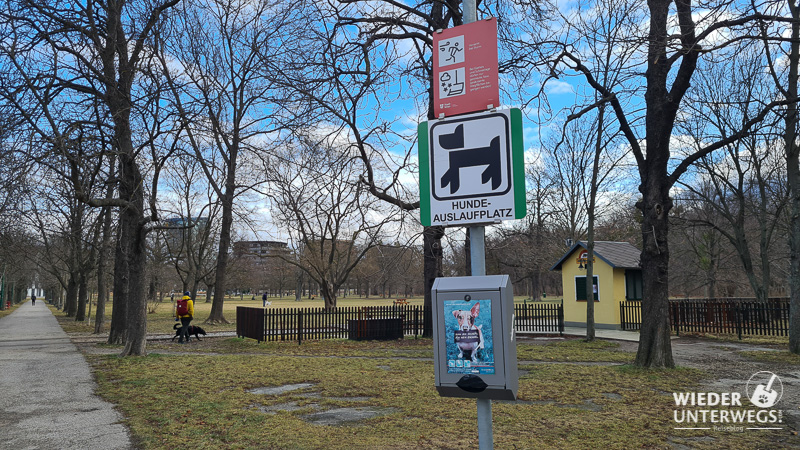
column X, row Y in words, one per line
column 190, row 238
column 789, row 48
column 368, row 52
column 92, row 50
column 668, row 68
column 315, row 192
column 228, row 51
column 743, row 182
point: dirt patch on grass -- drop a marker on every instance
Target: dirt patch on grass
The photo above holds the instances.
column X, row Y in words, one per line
column 730, row 365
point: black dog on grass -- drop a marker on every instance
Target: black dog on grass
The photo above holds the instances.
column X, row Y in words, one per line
column 193, row 330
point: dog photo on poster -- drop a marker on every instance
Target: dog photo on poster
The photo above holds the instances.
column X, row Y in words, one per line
column 468, row 336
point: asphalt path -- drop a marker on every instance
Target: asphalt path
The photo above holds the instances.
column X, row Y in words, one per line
column 47, row 398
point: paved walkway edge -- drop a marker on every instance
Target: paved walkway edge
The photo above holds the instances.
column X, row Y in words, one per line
column 48, row 398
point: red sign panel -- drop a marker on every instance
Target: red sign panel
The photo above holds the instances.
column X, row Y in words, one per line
column 465, row 69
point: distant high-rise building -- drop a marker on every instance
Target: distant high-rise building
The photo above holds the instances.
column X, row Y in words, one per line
column 182, row 228
column 256, row 251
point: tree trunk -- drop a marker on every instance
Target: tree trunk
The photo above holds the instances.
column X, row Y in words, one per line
column 83, row 296
column 432, row 267
column 590, row 331
column 136, row 338
column 655, row 348
column 593, row 188
column 793, row 176
column 102, row 262
column 216, row 315
column 134, row 249
column 661, row 103
column 328, row 293
column 794, row 258
column 71, row 305
column 152, row 290
column 711, row 269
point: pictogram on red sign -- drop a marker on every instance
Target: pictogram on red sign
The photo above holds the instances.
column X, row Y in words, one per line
column 465, row 69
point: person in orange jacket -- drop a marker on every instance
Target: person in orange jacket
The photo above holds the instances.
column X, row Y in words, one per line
column 184, row 310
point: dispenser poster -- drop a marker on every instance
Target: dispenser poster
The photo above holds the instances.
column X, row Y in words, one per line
column 468, row 336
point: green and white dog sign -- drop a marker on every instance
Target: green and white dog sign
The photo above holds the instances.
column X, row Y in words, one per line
column 472, row 169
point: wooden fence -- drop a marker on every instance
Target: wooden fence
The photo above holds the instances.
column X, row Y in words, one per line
column 539, row 317
column 630, row 315
column 299, row 324
column 722, row 316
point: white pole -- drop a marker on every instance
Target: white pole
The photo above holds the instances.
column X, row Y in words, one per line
column 477, row 253
column 470, row 12
column 478, row 265
column 485, row 433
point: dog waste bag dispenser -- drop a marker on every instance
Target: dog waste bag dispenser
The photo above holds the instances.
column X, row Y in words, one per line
column 474, row 349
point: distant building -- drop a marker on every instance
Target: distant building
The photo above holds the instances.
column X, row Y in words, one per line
column 256, row 251
column 182, row 228
column 177, row 222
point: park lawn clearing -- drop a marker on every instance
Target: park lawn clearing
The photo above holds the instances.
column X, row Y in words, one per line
column 202, row 400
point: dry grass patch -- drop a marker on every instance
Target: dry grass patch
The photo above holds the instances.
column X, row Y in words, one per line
column 776, row 357
column 574, row 350
column 202, row 401
column 782, row 341
column 404, row 348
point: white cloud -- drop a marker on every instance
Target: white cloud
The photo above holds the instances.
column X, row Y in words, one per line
column 559, row 87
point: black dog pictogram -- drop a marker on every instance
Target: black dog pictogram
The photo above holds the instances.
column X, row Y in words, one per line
column 470, row 157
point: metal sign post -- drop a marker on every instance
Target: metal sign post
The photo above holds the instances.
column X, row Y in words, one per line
column 477, row 254
column 478, row 263
column 472, row 174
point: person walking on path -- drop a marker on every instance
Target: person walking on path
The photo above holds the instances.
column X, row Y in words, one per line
column 56, row 408
column 184, row 311
column 33, row 299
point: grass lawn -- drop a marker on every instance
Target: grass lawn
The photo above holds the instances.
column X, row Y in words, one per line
column 161, row 320
column 572, row 395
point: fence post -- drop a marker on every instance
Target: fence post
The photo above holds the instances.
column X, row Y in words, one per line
column 561, row 318
column 416, row 322
column 299, row 327
column 264, row 326
column 738, row 313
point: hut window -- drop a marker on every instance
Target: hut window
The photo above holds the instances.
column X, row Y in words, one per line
column 633, row 284
column 580, row 289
